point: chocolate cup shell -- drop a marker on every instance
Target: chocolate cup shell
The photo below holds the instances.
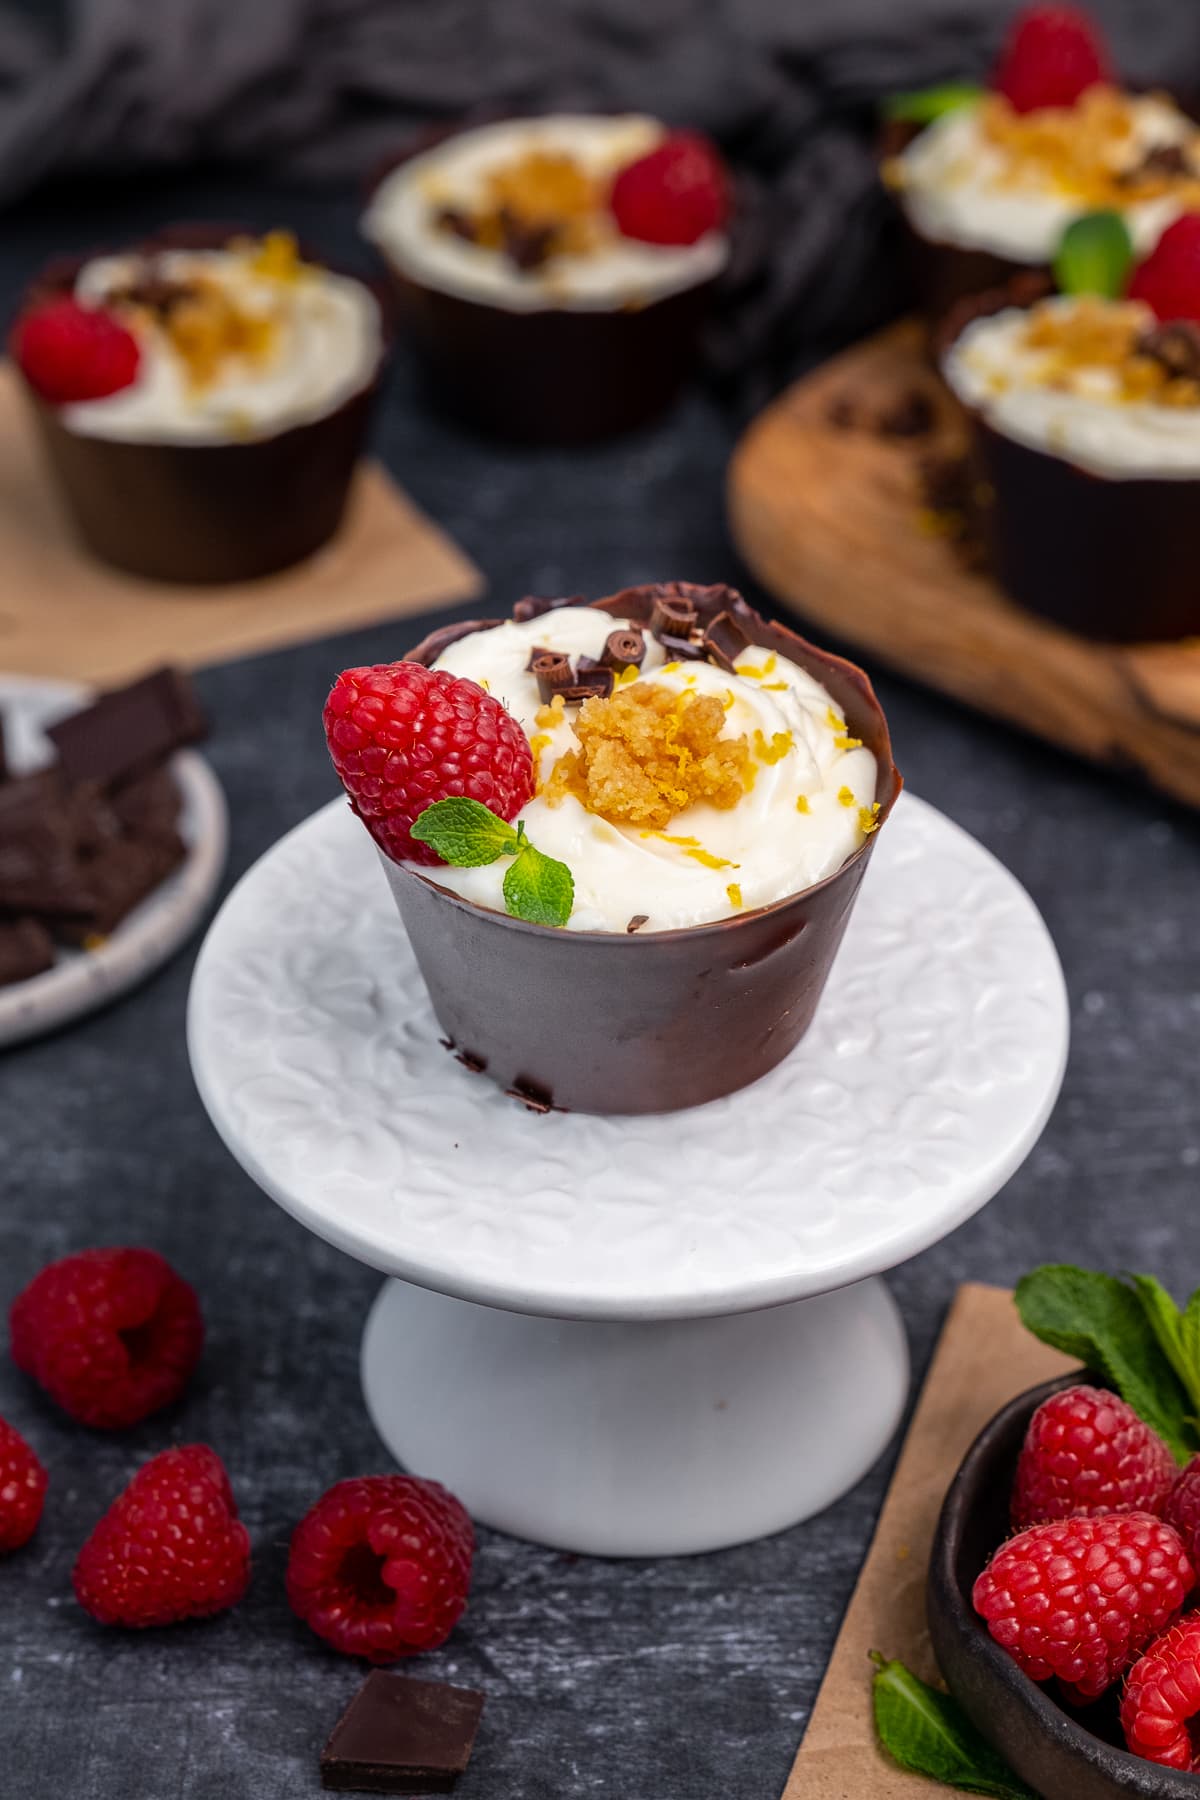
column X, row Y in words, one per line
column 944, row 274
column 551, row 376
column 606, row 1022
column 1064, row 1755
column 205, row 513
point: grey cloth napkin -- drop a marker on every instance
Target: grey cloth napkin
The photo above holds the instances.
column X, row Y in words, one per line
column 323, row 89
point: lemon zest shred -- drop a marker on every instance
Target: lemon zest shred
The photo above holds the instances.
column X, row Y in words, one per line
column 735, row 894
column 846, row 796
column 802, row 805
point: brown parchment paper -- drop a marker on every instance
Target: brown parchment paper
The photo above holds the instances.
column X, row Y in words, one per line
column 984, row 1357
column 63, row 614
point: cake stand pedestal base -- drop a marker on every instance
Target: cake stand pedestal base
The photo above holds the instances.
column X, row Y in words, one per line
column 631, row 1439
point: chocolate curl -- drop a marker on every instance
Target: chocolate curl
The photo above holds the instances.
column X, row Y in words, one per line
column 623, row 650
column 552, row 671
column 589, row 684
column 724, row 641
column 533, row 606
column 1175, row 347
column 669, row 614
column 680, row 649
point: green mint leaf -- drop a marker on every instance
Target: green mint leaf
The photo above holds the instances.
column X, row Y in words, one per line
column 539, row 889
column 465, row 833
column 1103, row 1322
column 923, row 105
column 1166, row 1322
column 926, row 1731
column 1094, row 256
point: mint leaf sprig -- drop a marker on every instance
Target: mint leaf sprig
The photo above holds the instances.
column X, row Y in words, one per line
column 1130, row 1331
column 1094, row 256
column 467, row 835
column 927, row 1732
column 922, row 106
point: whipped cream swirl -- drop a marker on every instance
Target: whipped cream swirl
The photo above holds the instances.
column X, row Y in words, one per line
column 767, row 846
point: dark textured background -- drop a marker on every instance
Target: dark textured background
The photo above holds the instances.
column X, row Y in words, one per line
column 667, row 1680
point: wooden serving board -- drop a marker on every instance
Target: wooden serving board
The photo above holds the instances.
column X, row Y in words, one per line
column 831, row 519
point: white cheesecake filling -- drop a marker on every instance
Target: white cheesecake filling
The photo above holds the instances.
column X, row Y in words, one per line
column 326, row 342
column 619, row 272
column 959, row 187
column 767, row 847
column 1007, row 382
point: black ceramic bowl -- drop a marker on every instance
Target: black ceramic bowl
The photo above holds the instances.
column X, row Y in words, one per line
column 1064, row 1755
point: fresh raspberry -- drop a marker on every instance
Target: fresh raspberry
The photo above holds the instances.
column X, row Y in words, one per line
column 1162, row 1699
column 22, row 1489
column 402, row 736
column 1081, row 1598
column 170, row 1547
column 674, row 194
column 112, row 1335
column 1182, row 1509
column 71, row 352
column 1087, row 1453
column 1051, row 56
column 1168, row 281
column 380, row 1566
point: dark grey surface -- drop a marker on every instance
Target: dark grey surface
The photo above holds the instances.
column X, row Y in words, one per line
column 643, row 1681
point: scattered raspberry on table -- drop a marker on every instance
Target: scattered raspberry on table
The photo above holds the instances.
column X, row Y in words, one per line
column 402, row 737
column 1087, row 1453
column 1082, row 1598
column 22, row 1489
column 1051, row 56
column 674, row 194
column 381, row 1565
column 1162, row 1699
column 112, row 1335
column 69, row 352
column 170, row 1547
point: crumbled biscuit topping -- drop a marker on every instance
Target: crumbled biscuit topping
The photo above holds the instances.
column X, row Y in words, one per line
column 539, row 205
column 1109, row 351
column 1089, row 151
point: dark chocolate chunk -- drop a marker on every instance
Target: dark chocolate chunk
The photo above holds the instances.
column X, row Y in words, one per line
column 399, row 1736
column 459, row 223
column 672, row 614
column 26, row 949
column 1175, row 346
column 623, row 650
column 156, row 292
column 680, row 649
column 912, row 415
column 1160, row 159
column 118, row 879
column 724, row 641
column 532, row 606
column 552, row 670
column 532, row 1097
column 526, row 246
column 476, row 1064
column 147, row 806
column 589, row 684
column 637, row 921
column 39, row 870
column 130, row 729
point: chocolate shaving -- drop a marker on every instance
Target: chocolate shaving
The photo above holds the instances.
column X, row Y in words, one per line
column 912, row 415
column 672, row 614
column 535, row 1098
column 589, row 684
column 623, row 650
column 533, row 606
column 637, row 921
column 526, row 246
column 552, row 671
column 458, row 223
column 1175, row 346
column 1160, row 159
column 154, row 292
column 724, row 641
column 468, row 1059
column 681, row 649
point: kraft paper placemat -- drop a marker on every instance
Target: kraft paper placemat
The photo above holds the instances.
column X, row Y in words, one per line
column 985, row 1356
column 63, row 614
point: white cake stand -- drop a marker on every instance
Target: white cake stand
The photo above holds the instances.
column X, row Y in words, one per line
column 633, row 1336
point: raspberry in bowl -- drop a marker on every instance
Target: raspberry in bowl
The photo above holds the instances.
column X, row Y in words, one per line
column 624, row 838
column 1085, row 416
column 988, row 186
column 203, row 398
column 553, row 273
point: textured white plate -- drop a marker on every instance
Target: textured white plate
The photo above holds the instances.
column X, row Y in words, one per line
column 925, row 1080
column 82, row 980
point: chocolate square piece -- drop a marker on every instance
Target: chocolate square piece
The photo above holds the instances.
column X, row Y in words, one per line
column 118, row 879
column 129, row 730
column 39, row 870
column 399, row 1736
column 149, row 805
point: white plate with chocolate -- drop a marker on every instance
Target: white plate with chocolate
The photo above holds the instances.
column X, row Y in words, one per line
column 112, row 841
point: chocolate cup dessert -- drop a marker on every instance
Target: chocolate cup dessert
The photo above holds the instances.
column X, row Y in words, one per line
column 605, row 1022
column 204, row 513
column 942, row 274
column 549, row 375
column 1111, row 558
